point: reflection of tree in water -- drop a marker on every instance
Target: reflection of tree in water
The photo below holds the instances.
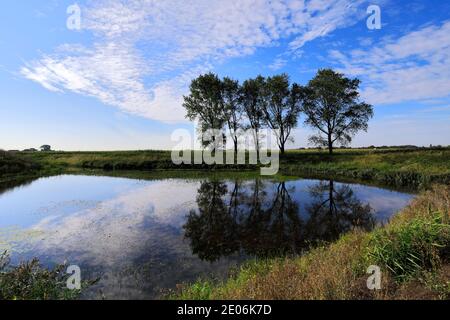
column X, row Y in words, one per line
column 213, row 232
column 260, row 222
column 335, row 211
column 9, row 185
column 273, row 226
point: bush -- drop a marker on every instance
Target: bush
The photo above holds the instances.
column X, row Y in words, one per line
column 11, row 163
column 30, row 281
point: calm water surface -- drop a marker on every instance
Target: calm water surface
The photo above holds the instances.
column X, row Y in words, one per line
column 145, row 237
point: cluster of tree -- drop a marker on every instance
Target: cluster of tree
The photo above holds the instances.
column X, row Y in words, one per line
column 330, row 103
column 258, row 220
column 44, row 148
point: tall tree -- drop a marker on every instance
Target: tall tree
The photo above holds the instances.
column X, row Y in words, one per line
column 205, row 104
column 232, row 108
column 332, row 106
column 252, row 103
column 282, row 105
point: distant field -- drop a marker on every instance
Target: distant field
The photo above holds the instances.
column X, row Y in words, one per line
column 400, row 167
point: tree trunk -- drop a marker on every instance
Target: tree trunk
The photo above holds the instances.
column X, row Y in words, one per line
column 257, row 152
column 213, row 153
column 330, row 145
column 235, row 140
column 257, row 144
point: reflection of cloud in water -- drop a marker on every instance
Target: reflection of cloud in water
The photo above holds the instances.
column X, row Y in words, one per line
column 56, row 208
column 383, row 202
column 14, row 236
column 135, row 240
column 120, row 229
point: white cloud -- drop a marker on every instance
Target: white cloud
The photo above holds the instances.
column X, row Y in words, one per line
column 145, row 52
column 415, row 66
column 112, row 231
column 322, row 17
column 277, row 64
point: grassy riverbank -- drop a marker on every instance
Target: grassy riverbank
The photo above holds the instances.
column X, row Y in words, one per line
column 402, row 168
column 413, row 168
column 413, row 252
column 12, row 163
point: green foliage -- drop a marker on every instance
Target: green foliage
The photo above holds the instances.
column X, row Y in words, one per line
column 30, row 281
column 12, row 163
column 253, row 105
column 200, row 290
column 406, row 249
column 231, row 96
column 271, row 101
column 281, row 106
column 205, row 103
column 46, row 148
column 332, row 107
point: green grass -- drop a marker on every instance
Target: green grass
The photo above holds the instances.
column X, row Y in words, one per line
column 427, row 161
column 413, row 252
column 16, row 163
column 403, row 168
column 409, row 248
column 412, row 168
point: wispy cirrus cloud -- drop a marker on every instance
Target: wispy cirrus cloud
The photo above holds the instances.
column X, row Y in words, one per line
column 415, row 66
column 320, row 18
column 145, row 52
column 277, row 64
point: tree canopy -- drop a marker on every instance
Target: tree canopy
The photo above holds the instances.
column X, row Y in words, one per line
column 332, row 106
column 46, row 147
column 253, row 105
column 282, row 105
column 231, row 97
column 330, row 103
column 205, row 103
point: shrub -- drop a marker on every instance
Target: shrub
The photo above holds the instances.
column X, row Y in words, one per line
column 30, row 281
column 11, row 163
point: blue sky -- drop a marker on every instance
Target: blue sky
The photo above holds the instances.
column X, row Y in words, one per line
column 117, row 83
